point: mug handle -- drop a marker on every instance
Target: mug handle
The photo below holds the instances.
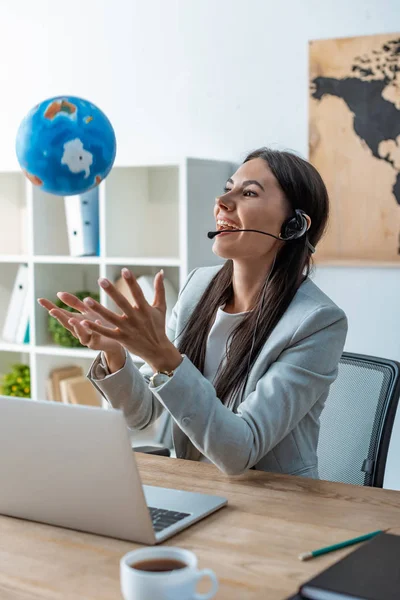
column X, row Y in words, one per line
column 214, row 581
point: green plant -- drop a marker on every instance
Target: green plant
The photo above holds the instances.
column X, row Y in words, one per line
column 60, row 335
column 17, row 382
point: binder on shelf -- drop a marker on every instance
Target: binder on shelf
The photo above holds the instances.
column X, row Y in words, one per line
column 16, row 321
column 27, row 337
column 22, row 333
column 82, row 216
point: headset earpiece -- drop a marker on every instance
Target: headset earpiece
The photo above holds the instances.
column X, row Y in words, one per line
column 296, row 226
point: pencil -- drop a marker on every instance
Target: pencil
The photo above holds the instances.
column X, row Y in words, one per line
column 363, row 538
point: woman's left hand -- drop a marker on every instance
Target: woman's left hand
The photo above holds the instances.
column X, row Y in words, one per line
column 141, row 327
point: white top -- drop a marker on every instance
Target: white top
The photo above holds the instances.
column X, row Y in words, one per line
column 221, row 329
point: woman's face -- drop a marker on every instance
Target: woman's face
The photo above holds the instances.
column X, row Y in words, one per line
column 252, row 200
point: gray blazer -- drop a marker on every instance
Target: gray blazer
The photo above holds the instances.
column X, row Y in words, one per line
column 274, row 424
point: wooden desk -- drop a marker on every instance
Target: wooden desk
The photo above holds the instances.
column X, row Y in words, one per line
column 252, row 544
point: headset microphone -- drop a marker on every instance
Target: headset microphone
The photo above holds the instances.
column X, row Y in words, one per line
column 292, row 229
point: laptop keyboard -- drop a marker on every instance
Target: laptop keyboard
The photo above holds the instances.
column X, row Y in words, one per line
column 163, row 518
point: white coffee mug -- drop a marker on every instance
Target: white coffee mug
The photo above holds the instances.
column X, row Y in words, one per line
column 179, row 584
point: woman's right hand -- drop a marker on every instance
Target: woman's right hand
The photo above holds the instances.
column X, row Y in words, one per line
column 72, row 322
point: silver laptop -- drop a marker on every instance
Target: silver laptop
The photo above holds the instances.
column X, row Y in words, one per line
column 73, row 466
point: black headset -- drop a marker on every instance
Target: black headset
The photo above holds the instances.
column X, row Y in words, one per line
column 295, row 227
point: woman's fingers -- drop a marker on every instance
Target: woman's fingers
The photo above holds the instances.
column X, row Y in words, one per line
column 159, row 292
column 118, row 298
column 112, row 334
column 135, row 289
column 50, row 306
column 60, row 314
column 62, row 319
column 109, row 316
column 47, row 304
column 83, row 334
column 72, row 301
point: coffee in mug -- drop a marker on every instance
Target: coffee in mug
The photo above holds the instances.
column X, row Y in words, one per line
column 159, row 564
column 163, row 573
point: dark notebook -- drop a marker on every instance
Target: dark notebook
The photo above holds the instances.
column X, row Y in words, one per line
column 371, row 572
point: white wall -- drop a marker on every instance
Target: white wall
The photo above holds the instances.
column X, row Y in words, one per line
column 208, row 78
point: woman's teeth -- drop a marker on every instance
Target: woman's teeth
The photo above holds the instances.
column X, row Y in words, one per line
column 222, row 225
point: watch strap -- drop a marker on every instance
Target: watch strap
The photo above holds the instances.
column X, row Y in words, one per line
column 163, row 372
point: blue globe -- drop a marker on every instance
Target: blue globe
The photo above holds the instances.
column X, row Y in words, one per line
column 66, row 145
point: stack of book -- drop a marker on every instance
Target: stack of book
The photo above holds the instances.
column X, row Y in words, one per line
column 16, row 324
column 69, row 385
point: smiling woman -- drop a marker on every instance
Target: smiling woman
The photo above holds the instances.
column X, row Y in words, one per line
column 252, row 346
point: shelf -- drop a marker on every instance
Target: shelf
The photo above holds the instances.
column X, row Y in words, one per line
column 145, row 262
column 153, row 215
column 67, row 260
column 11, row 357
column 142, row 211
column 54, row 359
column 9, row 347
column 14, row 258
column 95, row 260
column 48, row 280
column 54, row 350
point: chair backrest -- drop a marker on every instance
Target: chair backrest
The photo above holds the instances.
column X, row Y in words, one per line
column 357, row 420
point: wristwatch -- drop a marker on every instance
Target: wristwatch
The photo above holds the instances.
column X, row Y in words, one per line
column 160, row 377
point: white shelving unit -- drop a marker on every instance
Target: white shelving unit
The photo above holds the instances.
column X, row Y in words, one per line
column 152, row 215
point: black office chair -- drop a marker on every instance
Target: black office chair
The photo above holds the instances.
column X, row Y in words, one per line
column 163, row 441
column 357, row 420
